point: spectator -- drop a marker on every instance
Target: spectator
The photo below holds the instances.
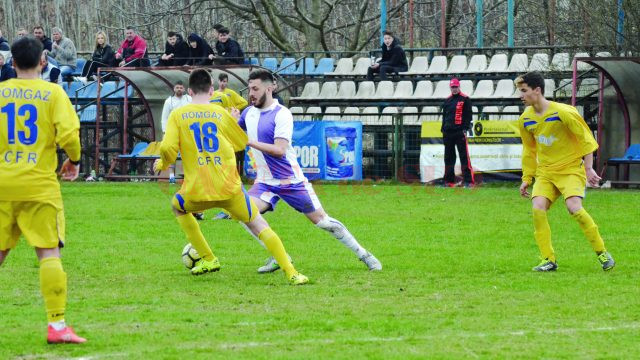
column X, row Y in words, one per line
column 228, row 48
column 456, row 120
column 64, row 52
column 178, row 99
column 38, row 32
column 4, row 44
column 200, row 52
column 6, row 71
column 21, row 33
column 133, row 51
column 49, row 72
column 103, row 56
column 393, row 58
column 176, row 51
column 275, row 95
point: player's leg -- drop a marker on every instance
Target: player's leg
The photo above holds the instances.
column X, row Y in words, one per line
column 449, row 178
column 9, row 231
column 43, row 226
column 543, row 194
column 573, row 190
column 3, row 255
column 465, row 162
column 181, row 209
column 242, row 208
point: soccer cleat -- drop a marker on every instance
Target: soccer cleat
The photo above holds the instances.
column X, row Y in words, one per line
column 203, row 266
column 222, row 216
column 546, row 265
column 64, row 336
column 269, row 266
column 198, row 215
column 298, row 279
column 372, row 262
column 606, row 260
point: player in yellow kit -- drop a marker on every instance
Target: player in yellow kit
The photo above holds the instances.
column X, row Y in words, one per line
column 35, row 115
column 227, row 98
column 557, row 150
column 207, row 138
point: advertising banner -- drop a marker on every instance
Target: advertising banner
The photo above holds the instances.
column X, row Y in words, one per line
column 494, row 147
column 326, row 150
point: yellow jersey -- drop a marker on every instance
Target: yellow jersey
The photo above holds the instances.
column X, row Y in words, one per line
column 220, row 98
column 35, row 115
column 207, row 138
column 235, row 99
column 557, row 139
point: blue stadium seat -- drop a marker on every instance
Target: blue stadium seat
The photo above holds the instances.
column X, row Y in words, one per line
column 71, row 89
column 88, row 114
column 79, row 65
column 137, row 150
column 287, row 66
column 254, row 61
column 325, row 65
column 307, row 67
column 270, row 63
column 89, row 92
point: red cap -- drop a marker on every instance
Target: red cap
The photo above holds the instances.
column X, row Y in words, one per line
column 454, row 82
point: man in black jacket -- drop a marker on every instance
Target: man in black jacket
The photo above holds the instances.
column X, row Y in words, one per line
column 228, row 48
column 456, row 120
column 38, row 32
column 176, row 51
column 393, row 58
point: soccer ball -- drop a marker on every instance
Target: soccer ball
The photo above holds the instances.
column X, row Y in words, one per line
column 189, row 256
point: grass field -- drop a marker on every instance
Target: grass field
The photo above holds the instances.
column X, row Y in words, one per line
column 456, row 281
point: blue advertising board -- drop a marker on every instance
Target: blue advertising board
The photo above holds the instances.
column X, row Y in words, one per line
column 326, row 150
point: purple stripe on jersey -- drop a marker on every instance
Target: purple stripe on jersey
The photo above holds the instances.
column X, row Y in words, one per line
column 279, row 166
column 241, row 122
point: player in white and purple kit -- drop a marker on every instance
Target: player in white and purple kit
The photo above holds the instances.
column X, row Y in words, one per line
column 269, row 126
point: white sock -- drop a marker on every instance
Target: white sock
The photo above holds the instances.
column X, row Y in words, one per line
column 252, row 234
column 340, row 232
column 58, row 325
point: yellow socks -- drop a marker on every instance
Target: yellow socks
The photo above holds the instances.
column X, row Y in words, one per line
column 590, row 230
column 275, row 247
column 542, row 234
column 53, row 285
column 191, row 228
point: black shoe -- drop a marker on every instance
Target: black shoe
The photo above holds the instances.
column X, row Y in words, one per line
column 199, row 216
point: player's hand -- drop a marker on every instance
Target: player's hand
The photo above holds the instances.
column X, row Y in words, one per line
column 68, row 171
column 592, row 178
column 235, row 113
column 523, row 190
column 157, row 165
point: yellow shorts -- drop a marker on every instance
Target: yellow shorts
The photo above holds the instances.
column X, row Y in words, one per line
column 41, row 223
column 569, row 183
column 241, row 207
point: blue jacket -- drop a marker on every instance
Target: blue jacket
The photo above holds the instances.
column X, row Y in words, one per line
column 7, row 72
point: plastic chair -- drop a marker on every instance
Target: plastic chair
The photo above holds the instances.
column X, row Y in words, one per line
column 404, row 90
column 519, row 63
column 510, row 109
column 438, row 65
column 484, row 89
column 343, row 67
column 424, row 90
column 466, row 87
column 430, row 113
column 370, row 115
column 442, row 90
column 88, row 114
column 329, row 90
column 560, row 62
column 79, row 65
column 137, row 150
column 351, row 113
column 457, row 65
column 384, row 90
column 311, row 90
column 313, row 113
column 419, row 66
column 498, row 63
column 410, row 115
column 539, row 62
column 287, row 66
column 361, row 67
column 477, row 64
column 331, row 113
column 366, row 90
column 270, row 63
column 346, row 90
column 307, row 67
column 325, row 65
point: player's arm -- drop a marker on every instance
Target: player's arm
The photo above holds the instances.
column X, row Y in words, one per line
column 529, row 158
column 170, row 145
column 238, row 101
column 67, row 127
column 277, row 149
column 576, row 124
column 232, row 130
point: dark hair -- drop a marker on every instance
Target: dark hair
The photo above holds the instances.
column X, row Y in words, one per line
column 130, row 28
column 172, row 34
column 26, row 52
column 217, row 27
column 223, row 30
column 388, row 32
column 263, row 74
column 179, row 82
column 200, row 81
column 38, row 27
column 533, row 79
column 223, row 76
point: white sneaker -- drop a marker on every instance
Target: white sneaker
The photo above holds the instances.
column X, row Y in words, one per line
column 371, row 261
column 82, row 79
column 270, row 265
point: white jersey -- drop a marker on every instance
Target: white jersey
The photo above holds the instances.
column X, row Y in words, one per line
column 171, row 104
column 266, row 125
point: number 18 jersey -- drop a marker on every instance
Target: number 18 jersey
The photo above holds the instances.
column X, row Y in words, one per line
column 35, row 115
column 207, row 138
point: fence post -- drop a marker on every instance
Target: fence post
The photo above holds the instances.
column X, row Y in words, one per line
column 397, row 146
